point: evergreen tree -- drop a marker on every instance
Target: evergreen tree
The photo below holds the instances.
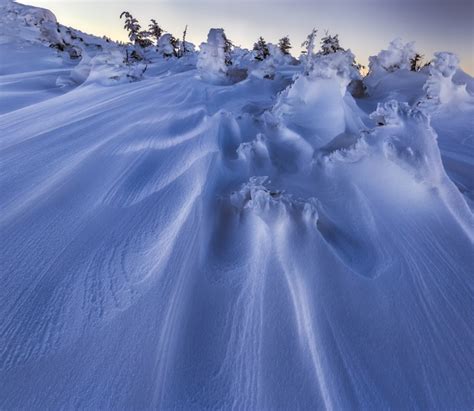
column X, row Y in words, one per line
column 132, row 26
column 175, row 44
column 168, row 45
column 227, row 50
column 143, row 39
column 155, row 30
column 415, row 62
column 284, row 45
column 214, row 57
column 330, row 44
column 261, row 49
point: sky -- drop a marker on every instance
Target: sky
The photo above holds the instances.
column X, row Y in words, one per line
column 364, row 26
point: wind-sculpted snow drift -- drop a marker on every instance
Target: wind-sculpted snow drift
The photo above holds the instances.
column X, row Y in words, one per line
column 174, row 243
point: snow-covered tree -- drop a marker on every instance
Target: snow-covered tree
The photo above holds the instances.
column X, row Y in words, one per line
column 155, row 30
column 168, row 45
column 227, row 50
column 440, row 88
column 284, row 45
column 330, row 44
column 397, row 56
column 309, row 45
column 215, row 57
column 415, row 62
column 131, row 25
column 143, row 39
column 261, row 49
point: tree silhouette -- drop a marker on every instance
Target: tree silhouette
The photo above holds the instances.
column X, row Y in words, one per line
column 284, row 45
column 261, row 49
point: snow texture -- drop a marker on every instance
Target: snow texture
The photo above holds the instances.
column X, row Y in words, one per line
column 185, row 233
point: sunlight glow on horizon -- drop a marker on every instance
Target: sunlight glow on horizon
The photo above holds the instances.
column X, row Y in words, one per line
column 366, row 26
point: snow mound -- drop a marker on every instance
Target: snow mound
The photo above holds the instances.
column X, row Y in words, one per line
column 319, row 101
column 31, row 23
column 268, row 203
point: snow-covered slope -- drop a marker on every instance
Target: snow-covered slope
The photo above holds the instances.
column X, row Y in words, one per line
column 260, row 244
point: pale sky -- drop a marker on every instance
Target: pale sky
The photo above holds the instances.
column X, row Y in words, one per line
column 364, row 26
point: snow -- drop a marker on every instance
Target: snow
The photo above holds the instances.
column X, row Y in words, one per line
column 440, row 88
column 177, row 236
column 396, row 57
column 211, row 62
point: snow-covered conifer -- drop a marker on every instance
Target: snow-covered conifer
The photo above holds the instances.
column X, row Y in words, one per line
column 143, row 39
column 261, row 49
column 131, row 25
column 228, row 45
column 284, row 45
column 155, row 30
column 309, row 45
column 214, row 56
column 168, row 45
column 415, row 62
column 440, row 88
column 397, row 56
column 330, row 44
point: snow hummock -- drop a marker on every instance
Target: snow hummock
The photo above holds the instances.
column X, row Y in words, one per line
column 213, row 231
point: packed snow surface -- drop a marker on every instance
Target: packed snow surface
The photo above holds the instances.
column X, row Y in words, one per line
column 182, row 233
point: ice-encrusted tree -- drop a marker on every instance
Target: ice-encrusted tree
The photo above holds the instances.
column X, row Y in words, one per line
column 228, row 45
column 131, row 25
column 168, row 45
column 155, row 30
column 135, row 34
column 284, row 45
column 143, row 39
column 309, row 45
column 397, row 56
column 330, row 44
column 261, row 49
column 415, row 62
column 215, row 56
column 440, row 88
